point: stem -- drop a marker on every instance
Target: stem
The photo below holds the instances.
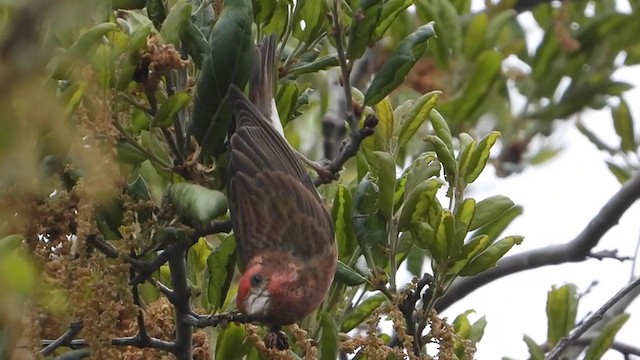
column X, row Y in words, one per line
column 153, row 157
column 345, row 67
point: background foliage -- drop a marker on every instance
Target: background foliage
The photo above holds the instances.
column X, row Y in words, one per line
column 114, row 234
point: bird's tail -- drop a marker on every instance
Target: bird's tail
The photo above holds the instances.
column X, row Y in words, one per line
column 263, row 81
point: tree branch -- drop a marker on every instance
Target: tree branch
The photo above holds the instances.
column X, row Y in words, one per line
column 592, row 320
column 622, row 348
column 178, row 267
column 74, row 330
column 576, row 250
column 202, row 321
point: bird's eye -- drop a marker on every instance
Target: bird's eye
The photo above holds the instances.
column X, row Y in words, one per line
column 257, row 279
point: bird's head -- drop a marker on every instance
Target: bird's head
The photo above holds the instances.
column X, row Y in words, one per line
column 279, row 290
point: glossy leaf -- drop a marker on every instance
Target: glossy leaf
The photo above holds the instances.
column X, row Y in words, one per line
column 366, row 18
column 464, row 215
column 348, row 276
column 361, row 312
column 196, row 202
column 366, row 199
column 329, row 339
column 177, row 20
column 221, row 263
column 309, row 12
column 535, row 351
column 229, row 341
column 10, row 243
column 496, row 227
column 418, row 202
column 195, row 43
column 562, row 307
column 231, row 36
column 169, row 109
column 489, row 257
column 605, row 338
column 490, row 209
column 399, row 63
column 474, row 40
column 390, row 12
column 441, row 129
column 619, row 172
column 386, row 172
column 445, row 236
column 480, row 81
column 469, row 251
column 416, row 116
column 480, row 157
column 445, row 156
column 623, row 123
column 286, row 101
column 321, row 63
column 341, row 215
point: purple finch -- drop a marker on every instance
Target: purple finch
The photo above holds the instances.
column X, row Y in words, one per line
column 285, row 234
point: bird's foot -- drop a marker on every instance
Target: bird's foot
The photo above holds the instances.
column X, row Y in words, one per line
column 321, row 168
column 276, row 339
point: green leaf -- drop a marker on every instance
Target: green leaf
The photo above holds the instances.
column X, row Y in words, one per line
column 279, row 20
column 366, row 18
column 424, row 237
column 311, row 13
column 477, row 330
column 341, row 215
column 497, row 23
column 489, row 257
column 386, row 172
column 399, row 63
column 418, row 202
column 169, row 109
column 445, row 156
column 622, row 174
column 195, row 43
column 390, row 12
column 384, row 129
column 445, row 236
column 199, row 253
column 469, row 251
column 480, row 82
column 286, row 101
column 366, row 199
column 416, row 116
column 623, row 123
column 441, row 129
column 196, row 202
column 490, row 209
column 229, row 341
column 605, row 338
column 348, row 276
column 230, row 36
column 475, row 36
column 18, row 273
column 157, row 12
column 562, row 307
column 9, row 243
column 535, row 351
column 464, row 214
column 221, row 263
column 176, row 21
column 321, row 63
column 496, row 227
column 329, row 340
column 64, row 65
column 361, row 312
column 480, row 156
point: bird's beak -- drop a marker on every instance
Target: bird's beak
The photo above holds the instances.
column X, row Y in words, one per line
column 257, row 302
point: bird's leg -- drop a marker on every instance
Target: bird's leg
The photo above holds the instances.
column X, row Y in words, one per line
column 321, row 169
column 276, row 338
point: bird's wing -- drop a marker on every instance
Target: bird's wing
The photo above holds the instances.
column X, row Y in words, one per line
column 273, row 202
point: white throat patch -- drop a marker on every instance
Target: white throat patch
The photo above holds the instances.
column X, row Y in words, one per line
column 257, row 303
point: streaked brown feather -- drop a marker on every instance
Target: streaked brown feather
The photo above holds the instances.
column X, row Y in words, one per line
column 273, row 202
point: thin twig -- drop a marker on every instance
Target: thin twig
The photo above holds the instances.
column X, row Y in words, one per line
column 592, row 320
column 74, row 330
column 202, row 321
column 99, row 243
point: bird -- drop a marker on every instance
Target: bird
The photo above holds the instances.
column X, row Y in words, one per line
column 284, row 232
